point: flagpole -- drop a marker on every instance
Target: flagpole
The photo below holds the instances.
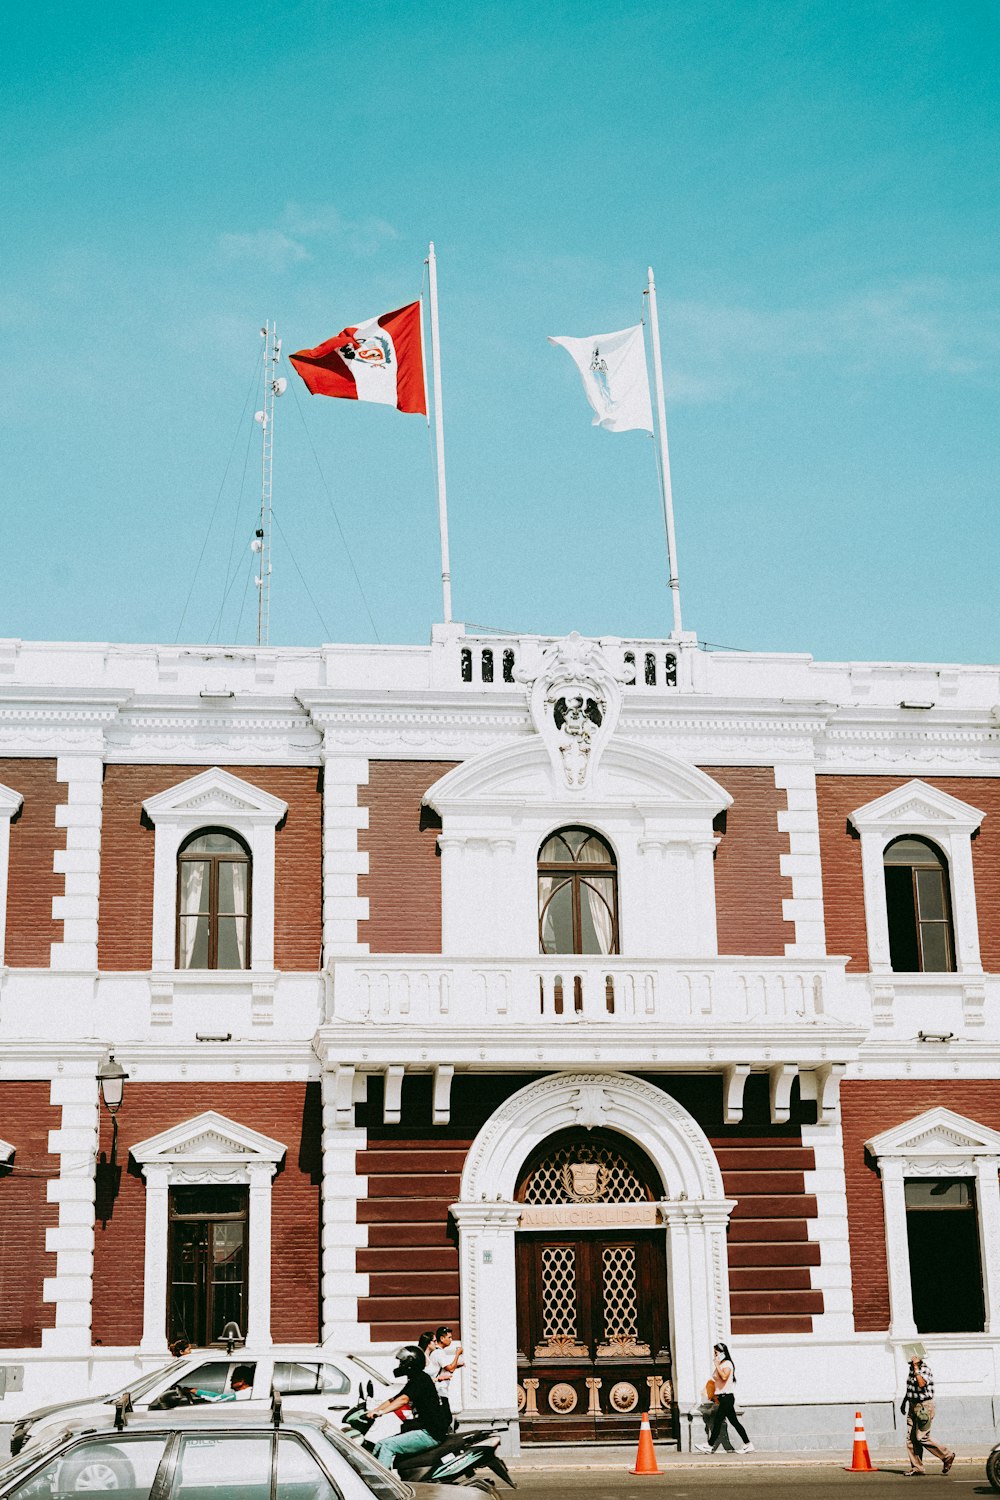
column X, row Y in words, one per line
column 668, row 498
column 442, row 492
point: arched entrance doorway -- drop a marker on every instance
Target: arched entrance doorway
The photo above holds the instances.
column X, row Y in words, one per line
column 692, row 1216
column 593, row 1333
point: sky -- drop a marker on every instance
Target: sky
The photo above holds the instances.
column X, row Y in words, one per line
column 816, row 186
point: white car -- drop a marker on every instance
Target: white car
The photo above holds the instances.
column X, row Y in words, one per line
column 306, row 1376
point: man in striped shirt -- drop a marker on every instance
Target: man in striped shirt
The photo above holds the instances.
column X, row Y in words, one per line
column 918, row 1408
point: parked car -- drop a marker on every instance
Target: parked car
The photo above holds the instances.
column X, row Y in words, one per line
column 993, row 1467
column 204, row 1453
column 307, row 1376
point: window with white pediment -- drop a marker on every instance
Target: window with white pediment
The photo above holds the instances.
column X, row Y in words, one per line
column 213, row 873
column 941, row 1199
column 919, row 889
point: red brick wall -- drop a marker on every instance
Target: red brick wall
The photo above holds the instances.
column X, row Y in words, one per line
column 749, row 885
column 32, row 883
column 403, row 884
column 125, row 936
column 26, row 1117
column 414, row 1172
column 289, row 1112
column 867, row 1109
column 840, row 848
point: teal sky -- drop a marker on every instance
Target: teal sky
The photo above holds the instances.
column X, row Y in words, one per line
column 816, row 186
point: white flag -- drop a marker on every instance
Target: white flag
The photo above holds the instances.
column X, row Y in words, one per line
column 613, row 370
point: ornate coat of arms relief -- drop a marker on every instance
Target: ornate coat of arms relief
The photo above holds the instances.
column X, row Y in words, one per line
column 575, row 699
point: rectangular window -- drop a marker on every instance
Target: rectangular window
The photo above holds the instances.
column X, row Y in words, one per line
column 208, row 1261
column 942, row 1230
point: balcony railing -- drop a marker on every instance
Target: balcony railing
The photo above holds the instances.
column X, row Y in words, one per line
column 417, row 990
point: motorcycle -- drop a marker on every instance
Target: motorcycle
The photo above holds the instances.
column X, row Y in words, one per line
column 455, row 1461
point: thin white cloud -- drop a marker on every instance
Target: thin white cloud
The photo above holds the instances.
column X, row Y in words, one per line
column 268, row 247
column 302, row 231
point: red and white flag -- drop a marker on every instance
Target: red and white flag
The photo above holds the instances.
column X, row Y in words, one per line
column 381, row 360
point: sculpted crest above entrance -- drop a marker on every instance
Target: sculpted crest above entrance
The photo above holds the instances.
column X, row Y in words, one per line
column 574, row 699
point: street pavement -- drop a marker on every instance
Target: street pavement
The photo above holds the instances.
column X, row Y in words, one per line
column 684, row 1478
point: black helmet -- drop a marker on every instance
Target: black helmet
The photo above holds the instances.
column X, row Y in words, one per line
column 410, row 1360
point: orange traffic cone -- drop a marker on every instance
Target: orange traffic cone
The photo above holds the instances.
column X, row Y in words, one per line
column 861, row 1459
column 645, row 1458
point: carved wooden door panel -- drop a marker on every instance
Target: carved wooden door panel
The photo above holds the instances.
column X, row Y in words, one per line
column 593, row 1335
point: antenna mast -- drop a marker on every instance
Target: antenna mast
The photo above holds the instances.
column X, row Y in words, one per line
column 274, row 385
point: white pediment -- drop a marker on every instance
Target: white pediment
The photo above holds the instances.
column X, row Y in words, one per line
column 215, row 794
column 937, row 1133
column 10, row 801
column 919, row 808
column 207, row 1138
column 522, row 774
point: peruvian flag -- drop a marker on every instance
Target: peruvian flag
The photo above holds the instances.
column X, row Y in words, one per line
column 381, row 360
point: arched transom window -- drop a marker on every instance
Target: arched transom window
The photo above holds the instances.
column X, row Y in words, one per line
column 213, row 901
column 577, row 894
column 918, row 906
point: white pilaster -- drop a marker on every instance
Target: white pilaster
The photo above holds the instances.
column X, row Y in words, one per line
column 10, row 801
column 988, row 1210
column 342, row 1284
column 154, row 1290
column 829, row 1229
column 802, row 862
column 80, row 862
column 343, row 862
column 488, row 1292
column 258, row 1329
column 897, row 1252
column 75, row 1144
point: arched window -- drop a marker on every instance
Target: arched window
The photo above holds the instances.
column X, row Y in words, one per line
column 918, row 904
column 213, row 901
column 577, row 894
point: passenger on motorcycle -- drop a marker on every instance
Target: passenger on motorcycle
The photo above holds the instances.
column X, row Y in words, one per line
column 431, row 1419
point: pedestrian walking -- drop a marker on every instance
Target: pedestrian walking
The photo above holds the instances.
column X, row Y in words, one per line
column 917, row 1407
column 723, row 1378
column 443, row 1358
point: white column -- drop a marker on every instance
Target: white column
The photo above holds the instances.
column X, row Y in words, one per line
column 876, row 914
column 897, row 1250
column 988, row 1210
column 968, row 959
column 342, row 1285
column 258, row 1329
column 154, row 1289
column 833, row 1274
column 75, row 1144
column 343, row 908
column 698, row 1280
column 704, row 881
column 802, row 862
column 488, row 1320
column 79, row 862
column 10, row 801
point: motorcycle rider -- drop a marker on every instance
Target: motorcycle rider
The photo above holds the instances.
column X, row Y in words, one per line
column 431, row 1419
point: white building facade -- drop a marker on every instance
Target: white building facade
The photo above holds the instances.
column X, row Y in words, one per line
column 600, row 999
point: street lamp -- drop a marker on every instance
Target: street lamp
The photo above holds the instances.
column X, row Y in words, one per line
column 111, row 1078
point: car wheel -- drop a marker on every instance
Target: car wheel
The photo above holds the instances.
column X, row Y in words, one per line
column 993, row 1468
column 90, row 1475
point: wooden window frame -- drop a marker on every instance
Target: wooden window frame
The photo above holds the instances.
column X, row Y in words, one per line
column 577, row 874
column 240, row 1216
column 936, row 860
column 214, row 860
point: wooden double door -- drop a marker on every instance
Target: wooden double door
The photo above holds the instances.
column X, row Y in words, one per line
column 593, row 1335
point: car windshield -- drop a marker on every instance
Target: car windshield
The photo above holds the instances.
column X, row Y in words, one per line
column 383, row 1484
column 369, row 1370
column 145, row 1383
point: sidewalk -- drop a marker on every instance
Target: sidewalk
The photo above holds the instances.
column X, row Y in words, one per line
column 543, row 1456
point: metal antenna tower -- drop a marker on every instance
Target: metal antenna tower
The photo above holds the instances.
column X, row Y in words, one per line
column 274, row 386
